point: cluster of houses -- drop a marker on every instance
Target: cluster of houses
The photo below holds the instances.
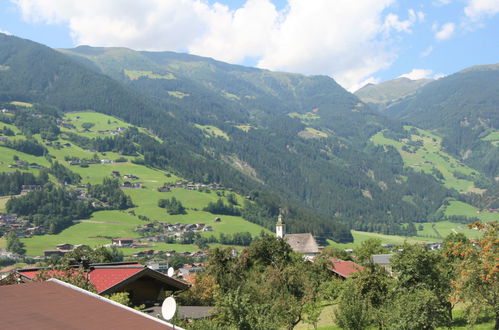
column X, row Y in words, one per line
column 62, row 249
column 10, row 222
column 190, row 186
column 158, row 231
column 24, row 164
column 112, row 131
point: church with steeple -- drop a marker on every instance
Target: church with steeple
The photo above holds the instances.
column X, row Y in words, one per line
column 302, row 243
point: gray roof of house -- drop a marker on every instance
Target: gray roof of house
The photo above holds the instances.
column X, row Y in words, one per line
column 382, row 259
column 302, row 243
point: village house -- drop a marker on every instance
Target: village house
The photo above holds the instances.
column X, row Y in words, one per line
column 144, row 285
column 123, row 242
column 26, row 188
column 383, row 260
column 343, row 269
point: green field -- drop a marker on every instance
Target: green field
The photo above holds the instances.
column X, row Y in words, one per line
column 493, row 138
column 460, row 208
column 312, row 133
column 136, row 74
column 212, row 131
column 177, row 94
column 431, row 157
column 22, row 104
column 361, row 236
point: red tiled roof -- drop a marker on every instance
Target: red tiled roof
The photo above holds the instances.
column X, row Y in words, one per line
column 345, row 268
column 107, row 276
column 103, row 278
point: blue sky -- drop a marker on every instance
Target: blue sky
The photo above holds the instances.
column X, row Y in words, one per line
column 355, row 42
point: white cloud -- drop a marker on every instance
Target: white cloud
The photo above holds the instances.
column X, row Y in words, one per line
column 5, row 32
column 416, row 74
column 445, row 32
column 349, row 40
column 477, row 9
column 426, row 52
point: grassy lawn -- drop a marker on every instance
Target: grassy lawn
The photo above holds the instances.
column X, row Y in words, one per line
column 429, row 157
column 3, row 201
column 244, row 128
column 460, row 208
column 92, row 234
column 493, row 138
column 136, row 74
column 177, row 94
column 439, row 230
column 6, row 158
column 212, row 131
column 312, row 133
column 361, row 236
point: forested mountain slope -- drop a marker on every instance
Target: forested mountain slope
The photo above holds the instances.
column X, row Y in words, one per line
column 384, row 94
column 464, row 109
column 285, row 139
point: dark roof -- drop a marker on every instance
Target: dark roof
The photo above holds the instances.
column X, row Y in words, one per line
column 108, row 278
column 344, row 268
column 302, row 243
column 174, row 283
column 57, row 305
column 382, row 259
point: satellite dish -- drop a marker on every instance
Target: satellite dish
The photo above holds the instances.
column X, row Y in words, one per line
column 170, row 271
column 168, row 308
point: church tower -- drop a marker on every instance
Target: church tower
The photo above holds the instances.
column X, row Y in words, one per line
column 280, row 227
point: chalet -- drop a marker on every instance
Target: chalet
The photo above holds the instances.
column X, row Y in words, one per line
column 127, row 184
column 144, row 285
column 344, row 269
column 56, row 252
column 65, row 246
column 122, row 242
column 383, row 260
column 106, row 161
column 34, row 306
column 302, row 243
column 115, row 174
column 164, row 189
column 130, row 177
column 26, row 188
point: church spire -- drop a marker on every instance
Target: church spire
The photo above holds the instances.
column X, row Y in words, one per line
column 280, row 227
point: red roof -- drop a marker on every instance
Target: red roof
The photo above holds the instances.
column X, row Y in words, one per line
column 345, row 268
column 103, row 278
column 106, row 276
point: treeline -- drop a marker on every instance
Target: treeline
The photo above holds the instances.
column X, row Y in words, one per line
column 52, row 207
column 55, row 208
column 190, row 237
column 173, row 206
column 28, row 146
column 109, row 192
column 11, row 183
column 219, row 207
